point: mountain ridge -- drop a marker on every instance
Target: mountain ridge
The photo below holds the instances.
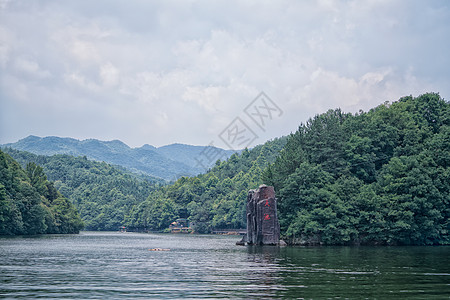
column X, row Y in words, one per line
column 168, row 162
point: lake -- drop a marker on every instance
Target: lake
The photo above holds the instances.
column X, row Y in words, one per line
column 112, row 265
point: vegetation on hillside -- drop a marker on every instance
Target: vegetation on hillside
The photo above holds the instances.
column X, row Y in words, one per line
column 377, row 177
column 109, row 198
column 103, row 194
column 30, row 204
column 380, row 177
column 215, row 200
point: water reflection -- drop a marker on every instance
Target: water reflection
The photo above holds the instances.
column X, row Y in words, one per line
column 263, row 270
column 380, row 272
column 117, row 266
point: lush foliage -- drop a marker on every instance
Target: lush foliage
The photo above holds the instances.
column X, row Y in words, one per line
column 380, row 177
column 30, row 204
column 103, row 194
column 377, row 177
column 213, row 200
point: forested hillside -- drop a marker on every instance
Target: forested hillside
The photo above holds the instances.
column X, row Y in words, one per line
column 30, row 204
column 109, row 198
column 380, row 177
column 377, row 177
column 212, row 200
column 103, row 194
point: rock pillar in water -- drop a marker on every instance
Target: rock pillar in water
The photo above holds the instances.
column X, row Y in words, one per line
column 262, row 221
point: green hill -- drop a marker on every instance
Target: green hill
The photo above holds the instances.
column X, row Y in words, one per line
column 30, row 204
column 103, row 194
column 377, row 177
column 380, row 177
column 212, row 200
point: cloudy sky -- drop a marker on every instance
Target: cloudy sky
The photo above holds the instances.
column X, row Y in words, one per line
column 160, row 72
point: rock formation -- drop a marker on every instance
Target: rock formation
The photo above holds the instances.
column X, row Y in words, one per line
column 262, row 221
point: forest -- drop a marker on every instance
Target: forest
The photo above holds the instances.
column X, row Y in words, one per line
column 103, row 194
column 214, row 200
column 109, row 197
column 372, row 178
column 380, row 177
column 30, row 204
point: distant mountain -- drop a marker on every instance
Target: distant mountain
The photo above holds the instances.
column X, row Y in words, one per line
column 167, row 162
column 195, row 156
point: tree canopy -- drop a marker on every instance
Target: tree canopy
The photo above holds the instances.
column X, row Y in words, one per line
column 214, row 200
column 377, row 177
column 30, row 204
column 103, row 194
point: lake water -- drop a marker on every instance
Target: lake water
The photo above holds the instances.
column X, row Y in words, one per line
column 120, row 266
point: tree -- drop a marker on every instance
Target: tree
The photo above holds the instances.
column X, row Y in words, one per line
column 29, row 204
column 371, row 178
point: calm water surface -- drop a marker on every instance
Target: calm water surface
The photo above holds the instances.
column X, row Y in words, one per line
column 119, row 265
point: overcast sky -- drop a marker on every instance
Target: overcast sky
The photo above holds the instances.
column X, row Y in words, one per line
column 161, row 72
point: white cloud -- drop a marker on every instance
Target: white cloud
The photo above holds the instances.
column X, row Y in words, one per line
column 5, row 46
column 206, row 97
column 31, row 68
column 109, row 75
column 80, row 81
column 163, row 72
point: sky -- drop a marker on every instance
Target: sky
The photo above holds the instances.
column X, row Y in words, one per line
column 224, row 73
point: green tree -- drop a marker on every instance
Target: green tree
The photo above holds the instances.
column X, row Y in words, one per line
column 29, row 204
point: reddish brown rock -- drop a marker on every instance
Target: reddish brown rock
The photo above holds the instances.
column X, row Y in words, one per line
column 262, row 221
